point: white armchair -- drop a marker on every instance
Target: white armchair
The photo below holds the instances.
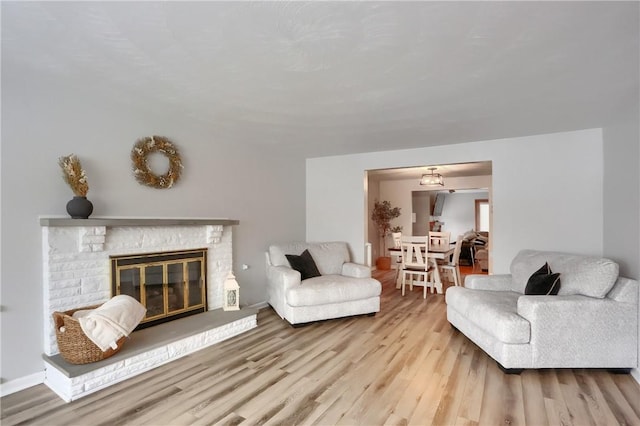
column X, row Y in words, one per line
column 343, row 288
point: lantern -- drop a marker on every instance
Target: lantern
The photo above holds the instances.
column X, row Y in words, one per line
column 231, row 294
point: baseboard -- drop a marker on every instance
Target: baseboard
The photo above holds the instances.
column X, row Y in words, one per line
column 259, row 305
column 22, row 383
column 635, row 373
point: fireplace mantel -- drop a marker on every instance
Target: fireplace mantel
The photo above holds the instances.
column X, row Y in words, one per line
column 133, row 221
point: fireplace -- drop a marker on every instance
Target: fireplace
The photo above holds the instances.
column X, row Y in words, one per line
column 170, row 285
column 77, row 256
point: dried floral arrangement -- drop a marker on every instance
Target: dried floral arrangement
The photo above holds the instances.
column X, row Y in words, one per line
column 141, row 170
column 74, row 175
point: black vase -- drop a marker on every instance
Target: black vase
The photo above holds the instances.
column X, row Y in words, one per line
column 79, row 208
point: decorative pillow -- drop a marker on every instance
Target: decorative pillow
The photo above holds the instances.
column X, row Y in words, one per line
column 543, row 282
column 544, row 270
column 304, row 264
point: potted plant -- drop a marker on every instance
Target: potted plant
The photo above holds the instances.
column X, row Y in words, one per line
column 382, row 214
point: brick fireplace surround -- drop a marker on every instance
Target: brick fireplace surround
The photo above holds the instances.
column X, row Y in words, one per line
column 76, row 273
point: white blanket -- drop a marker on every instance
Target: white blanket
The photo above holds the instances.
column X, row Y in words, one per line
column 109, row 322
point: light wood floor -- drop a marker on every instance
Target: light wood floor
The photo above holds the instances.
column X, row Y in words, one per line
column 406, row 365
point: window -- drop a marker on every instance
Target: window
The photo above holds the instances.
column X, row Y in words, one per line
column 482, row 215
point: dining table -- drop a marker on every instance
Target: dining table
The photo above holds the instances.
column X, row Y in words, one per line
column 435, row 252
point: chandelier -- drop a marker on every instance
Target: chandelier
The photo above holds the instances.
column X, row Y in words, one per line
column 432, row 178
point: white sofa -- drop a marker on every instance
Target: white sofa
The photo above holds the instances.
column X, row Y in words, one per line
column 591, row 323
column 343, row 289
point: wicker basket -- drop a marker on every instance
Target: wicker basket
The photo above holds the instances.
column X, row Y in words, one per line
column 75, row 347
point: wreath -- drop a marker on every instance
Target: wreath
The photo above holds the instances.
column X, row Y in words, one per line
column 141, row 170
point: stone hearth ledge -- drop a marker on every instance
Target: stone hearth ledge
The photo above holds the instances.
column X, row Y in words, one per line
column 145, row 350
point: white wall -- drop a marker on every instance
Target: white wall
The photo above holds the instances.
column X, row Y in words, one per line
column 546, row 191
column 621, row 189
column 421, row 206
column 459, row 212
column 622, row 195
column 372, row 194
column 42, row 120
column 337, row 199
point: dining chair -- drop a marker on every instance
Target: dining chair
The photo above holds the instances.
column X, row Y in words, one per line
column 453, row 266
column 439, row 239
column 416, row 263
column 397, row 243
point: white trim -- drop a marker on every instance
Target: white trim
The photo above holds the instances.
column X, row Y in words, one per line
column 635, row 373
column 259, row 305
column 21, row 383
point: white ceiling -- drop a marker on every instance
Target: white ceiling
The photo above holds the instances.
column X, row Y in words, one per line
column 325, row 78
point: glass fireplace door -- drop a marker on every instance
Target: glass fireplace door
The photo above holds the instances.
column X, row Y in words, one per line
column 195, row 280
column 169, row 285
column 153, row 278
column 176, row 287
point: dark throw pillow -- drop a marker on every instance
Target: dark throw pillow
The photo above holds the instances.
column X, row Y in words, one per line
column 545, row 270
column 303, row 264
column 543, row 282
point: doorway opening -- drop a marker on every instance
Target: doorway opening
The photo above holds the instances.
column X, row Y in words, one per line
column 449, row 206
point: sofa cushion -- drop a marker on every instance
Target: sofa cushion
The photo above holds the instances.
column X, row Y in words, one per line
column 303, row 264
column 328, row 257
column 278, row 253
column 332, row 289
column 585, row 275
column 495, row 312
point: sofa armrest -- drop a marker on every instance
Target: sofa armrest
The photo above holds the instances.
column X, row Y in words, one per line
column 282, row 277
column 279, row 280
column 581, row 328
column 501, row 282
column 355, row 270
